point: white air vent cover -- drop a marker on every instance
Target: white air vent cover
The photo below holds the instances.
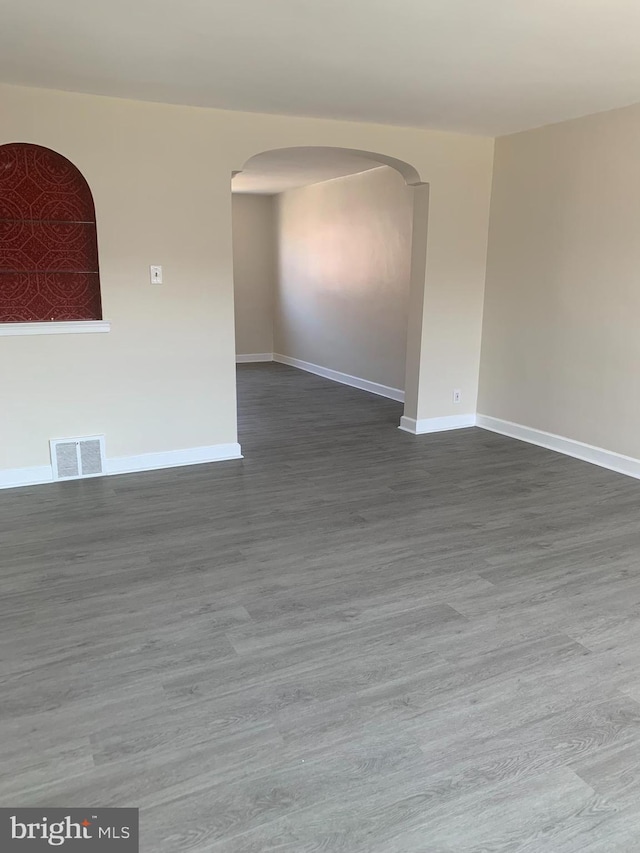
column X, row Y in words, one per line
column 73, row 458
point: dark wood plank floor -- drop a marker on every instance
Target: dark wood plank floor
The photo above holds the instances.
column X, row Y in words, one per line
column 352, row 640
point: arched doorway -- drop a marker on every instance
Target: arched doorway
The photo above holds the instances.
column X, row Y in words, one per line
column 275, row 172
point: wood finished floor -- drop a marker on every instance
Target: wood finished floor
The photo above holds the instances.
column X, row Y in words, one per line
column 352, row 640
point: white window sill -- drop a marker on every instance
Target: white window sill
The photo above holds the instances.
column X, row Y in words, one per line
column 69, row 327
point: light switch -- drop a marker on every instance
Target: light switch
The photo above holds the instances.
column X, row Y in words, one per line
column 156, row 275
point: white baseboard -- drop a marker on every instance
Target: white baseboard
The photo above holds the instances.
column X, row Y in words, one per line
column 13, row 477
column 343, row 378
column 568, row 446
column 254, row 356
column 426, row 425
column 173, row 458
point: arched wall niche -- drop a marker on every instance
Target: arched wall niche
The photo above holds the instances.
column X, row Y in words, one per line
column 48, row 240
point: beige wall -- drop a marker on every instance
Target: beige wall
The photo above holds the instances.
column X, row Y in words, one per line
column 253, row 272
column 344, row 251
column 561, row 342
column 164, row 377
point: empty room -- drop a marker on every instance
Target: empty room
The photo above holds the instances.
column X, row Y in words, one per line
column 320, row 426
column 322, row 269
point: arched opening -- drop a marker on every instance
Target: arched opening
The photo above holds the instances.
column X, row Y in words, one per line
column 348, row 231
column 48, row 241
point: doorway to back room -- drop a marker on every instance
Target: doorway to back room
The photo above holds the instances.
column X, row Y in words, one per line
column 322, row 241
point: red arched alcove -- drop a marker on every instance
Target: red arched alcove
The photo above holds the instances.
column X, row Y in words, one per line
column 48, row 241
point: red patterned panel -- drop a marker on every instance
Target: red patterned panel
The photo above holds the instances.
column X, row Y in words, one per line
column 31, row 246
column 48, row 243
column 35, row 297
column 36, row 183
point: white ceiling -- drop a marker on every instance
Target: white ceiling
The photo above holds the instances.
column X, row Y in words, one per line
column 287, row 168
column 479, row 66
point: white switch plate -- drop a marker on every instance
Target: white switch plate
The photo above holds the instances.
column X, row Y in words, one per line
column 156, row 275
column 457, row 396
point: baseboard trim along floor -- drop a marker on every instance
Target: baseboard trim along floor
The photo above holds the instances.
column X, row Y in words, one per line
column 427, row 425
column 343, row 378
column 567, row 446
column 174, row 458
column 38, row 475
column 252, row 357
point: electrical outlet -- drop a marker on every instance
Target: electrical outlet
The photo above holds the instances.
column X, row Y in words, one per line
column 457, row 395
